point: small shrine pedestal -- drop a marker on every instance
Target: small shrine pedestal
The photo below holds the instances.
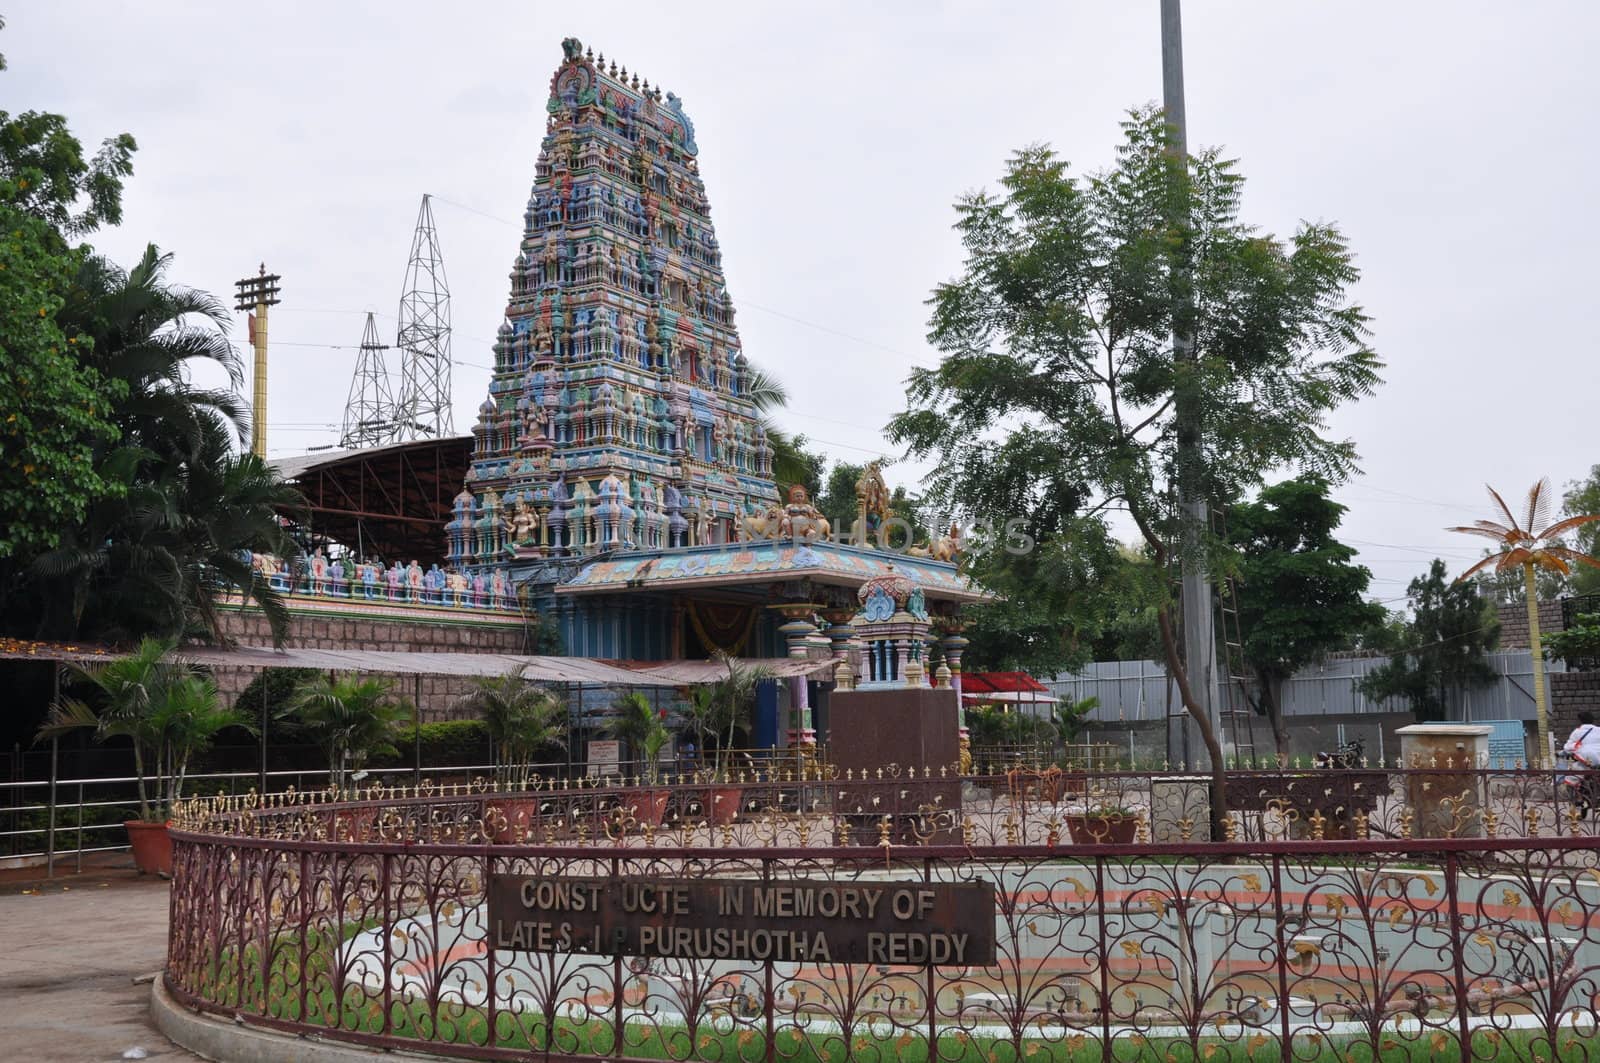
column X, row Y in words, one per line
column 911, row 735
column 1443, row 786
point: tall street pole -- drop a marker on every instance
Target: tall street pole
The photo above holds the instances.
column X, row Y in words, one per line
column 254, row 296
column 1199, row 635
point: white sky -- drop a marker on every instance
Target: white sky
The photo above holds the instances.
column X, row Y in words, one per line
column 1453, row 142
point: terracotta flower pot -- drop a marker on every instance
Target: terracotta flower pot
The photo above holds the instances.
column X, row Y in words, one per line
column 152, row 847
column 648, row 807
column 1093, row 829
column 521, row 815
column 722, row 803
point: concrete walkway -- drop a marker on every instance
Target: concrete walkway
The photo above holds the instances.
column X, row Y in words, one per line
column 73, row 947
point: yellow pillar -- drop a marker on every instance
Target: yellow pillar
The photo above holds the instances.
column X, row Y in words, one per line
column 258, row 418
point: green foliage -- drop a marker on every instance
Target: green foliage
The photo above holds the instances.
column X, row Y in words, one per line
column 350, row 718
column 153, row 557
column 1060, row 392
column 1579, row 641
column 1300, row 592
column 1049, row 600
column 53, row 405
column 991, row 725
column 524, row 721
column 444, row 743
column 1442, row 654
column 1072, row 717
column 1583, row 496
column 166, row 707
column 643, row 728
column 53, row 408
column 272, row 689
column 720, row 709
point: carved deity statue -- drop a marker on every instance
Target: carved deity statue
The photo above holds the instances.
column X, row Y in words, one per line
column 523, row 523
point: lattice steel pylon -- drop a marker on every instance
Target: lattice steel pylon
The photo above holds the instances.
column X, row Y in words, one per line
column 370, row 416
column 423, row 407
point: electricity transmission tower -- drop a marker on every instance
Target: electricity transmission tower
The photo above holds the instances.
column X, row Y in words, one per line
column 422, row 410
column 369, row 413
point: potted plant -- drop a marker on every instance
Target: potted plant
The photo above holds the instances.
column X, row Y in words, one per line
column 1103, row 825
column 523, row 720
column 719, row 709
column 170, row 711
column 1071, row 717
column 349, row 718
column 644, row 730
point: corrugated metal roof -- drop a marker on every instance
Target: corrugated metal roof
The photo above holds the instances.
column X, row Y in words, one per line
column 392, row 662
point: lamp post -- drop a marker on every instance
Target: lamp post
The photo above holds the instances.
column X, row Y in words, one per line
column 255, row 295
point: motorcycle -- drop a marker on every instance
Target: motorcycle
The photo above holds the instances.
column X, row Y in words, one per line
column 1349, row 755
column 1583, row 787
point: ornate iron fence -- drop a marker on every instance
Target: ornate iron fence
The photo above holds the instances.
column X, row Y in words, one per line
column 365, row 920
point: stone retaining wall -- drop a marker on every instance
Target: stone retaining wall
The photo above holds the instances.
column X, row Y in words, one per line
column 436, row 695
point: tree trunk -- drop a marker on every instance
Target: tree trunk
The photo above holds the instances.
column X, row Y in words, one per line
column 1208, row 734
column 1272, row 701
column 1537, row 652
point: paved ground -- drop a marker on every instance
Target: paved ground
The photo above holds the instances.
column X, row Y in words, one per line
column 73, row 947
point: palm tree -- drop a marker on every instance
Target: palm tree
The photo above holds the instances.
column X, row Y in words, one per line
column 1531, row 545
column 167, row 707
column 727, row 703
column 350, row 718
column 152, row 556
column 522, row 719
column 125, row 689
column 149, row 335
column 639, row 725
column 768, row 394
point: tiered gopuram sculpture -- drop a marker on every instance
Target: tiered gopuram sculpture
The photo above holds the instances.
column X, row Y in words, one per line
column 619, row 416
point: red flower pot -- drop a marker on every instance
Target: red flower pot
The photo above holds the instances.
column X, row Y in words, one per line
column 722, row 803
column 648, row 807
column 152, row 847
column 1089, row 829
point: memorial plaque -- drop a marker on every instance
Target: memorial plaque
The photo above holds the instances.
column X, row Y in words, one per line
column 800, row 921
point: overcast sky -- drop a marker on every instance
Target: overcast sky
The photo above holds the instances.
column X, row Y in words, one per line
column 1453, row 143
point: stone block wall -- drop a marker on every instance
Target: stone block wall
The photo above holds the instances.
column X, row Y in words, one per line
column 1571, row 693
column 436, row 695
column 1514, row 623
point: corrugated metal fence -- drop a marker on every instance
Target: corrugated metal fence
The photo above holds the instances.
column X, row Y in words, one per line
column 1139, row 690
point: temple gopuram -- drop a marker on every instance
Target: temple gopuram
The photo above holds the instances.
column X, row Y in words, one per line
column 620, row 482
column 619, row 469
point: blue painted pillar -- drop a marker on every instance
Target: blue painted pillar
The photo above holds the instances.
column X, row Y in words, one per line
column 765, row 735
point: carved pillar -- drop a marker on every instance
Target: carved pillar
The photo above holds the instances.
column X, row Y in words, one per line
column 797, row 630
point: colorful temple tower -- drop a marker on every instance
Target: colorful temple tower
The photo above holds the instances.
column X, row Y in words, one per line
column 619, row 416
column 621, row 477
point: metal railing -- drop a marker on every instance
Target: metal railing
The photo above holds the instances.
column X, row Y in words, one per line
column 369, row 922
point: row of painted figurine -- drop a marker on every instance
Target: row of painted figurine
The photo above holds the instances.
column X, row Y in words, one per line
column 315, row 574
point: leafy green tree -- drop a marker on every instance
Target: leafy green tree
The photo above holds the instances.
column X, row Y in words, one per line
column 1442, row 655
column 523, row 719
column 1050, row 601
column 53, row 405
column 1583, row 496
column 350, row 718
column 1060, row 383
column 1300, row 590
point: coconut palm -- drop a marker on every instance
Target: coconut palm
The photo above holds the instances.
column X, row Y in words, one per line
column 522, row 719
column 639, row 725
column 768, row 394
column 152, row 555
column 1531, row 545
column 350, row 718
